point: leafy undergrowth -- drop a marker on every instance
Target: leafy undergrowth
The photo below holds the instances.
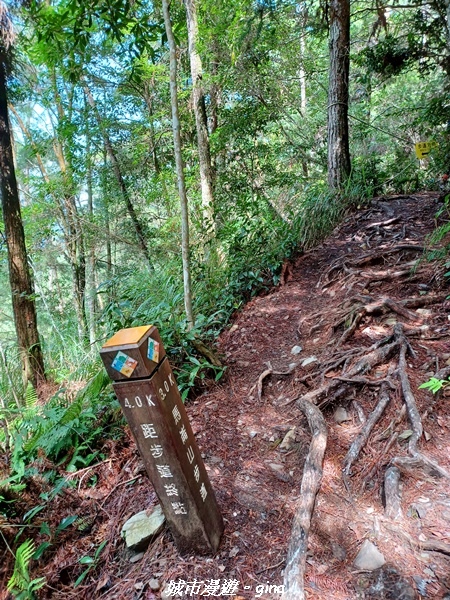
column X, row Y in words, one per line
column 366, row 297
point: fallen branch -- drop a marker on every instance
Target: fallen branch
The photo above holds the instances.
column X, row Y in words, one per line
column 312, row 475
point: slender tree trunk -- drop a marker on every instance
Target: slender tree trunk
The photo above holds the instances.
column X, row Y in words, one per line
column 338, row 138
column 90, row 271
column 23, row 303
column 70, row 221
column 215, row 95
column 179, row 167
column 119, row 177
column 302, row 75
column 201, row 122
column 74, row 232
column 447, row 15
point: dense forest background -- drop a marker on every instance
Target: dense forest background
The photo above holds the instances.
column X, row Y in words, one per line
column 168, row 160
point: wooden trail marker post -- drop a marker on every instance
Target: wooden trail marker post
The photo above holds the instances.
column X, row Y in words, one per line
column 148, row 394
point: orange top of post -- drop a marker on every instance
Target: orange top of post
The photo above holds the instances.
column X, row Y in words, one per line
column 125, row 337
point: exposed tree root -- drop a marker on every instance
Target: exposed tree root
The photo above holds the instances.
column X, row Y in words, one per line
column 357, row 313
column 266, row 373
column 419, row 301
column 363, row 435
column 343, row 263
column 383, row 223
column 312, row 475
column 389, row 274
column 428, row 545
column 377, row 354
column 205, row 351
column 435, row 546
column 416, row 460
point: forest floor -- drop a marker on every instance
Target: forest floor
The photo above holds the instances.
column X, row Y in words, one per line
column 372, row 317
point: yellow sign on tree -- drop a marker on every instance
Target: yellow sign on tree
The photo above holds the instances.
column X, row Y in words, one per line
column 423, row 149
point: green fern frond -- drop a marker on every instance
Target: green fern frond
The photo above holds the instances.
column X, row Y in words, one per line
column 94, row 387
column 71, row 413
column 21, row 577
column 31, row 396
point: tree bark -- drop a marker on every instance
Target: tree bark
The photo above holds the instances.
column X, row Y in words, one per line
column 90, row 271
column 22, row 291
column 179, row 167
column 338, row 137
column 201, row 122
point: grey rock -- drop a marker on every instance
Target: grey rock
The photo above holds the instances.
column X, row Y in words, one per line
column 142, row 528
column 276, row 467
column 136, row 557
column 421, row 585
column 296, row 350
column 154, row 584
column 369, row 557
column 309, row 361
column 288, row 441
column 341, row 415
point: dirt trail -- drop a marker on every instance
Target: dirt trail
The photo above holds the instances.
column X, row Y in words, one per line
column 354, row 320
column 339, row 300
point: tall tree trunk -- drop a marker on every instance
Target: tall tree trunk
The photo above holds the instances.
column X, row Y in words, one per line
column 69, row 218
column 303, row 17
column 201, row 122
column 23, row 303
column 179, row 167
column 119, row 177
column 90, row 271
column 74, row 237
column 338, row 138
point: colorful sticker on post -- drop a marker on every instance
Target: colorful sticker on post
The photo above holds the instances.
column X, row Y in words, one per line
column 124, row 364
column 153, row 350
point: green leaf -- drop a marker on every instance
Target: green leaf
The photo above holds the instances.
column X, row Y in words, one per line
column 81, row 578
column 33, row 512
column 66, row 522
column 45, row 529
column 41, row 549
column 433, row 384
